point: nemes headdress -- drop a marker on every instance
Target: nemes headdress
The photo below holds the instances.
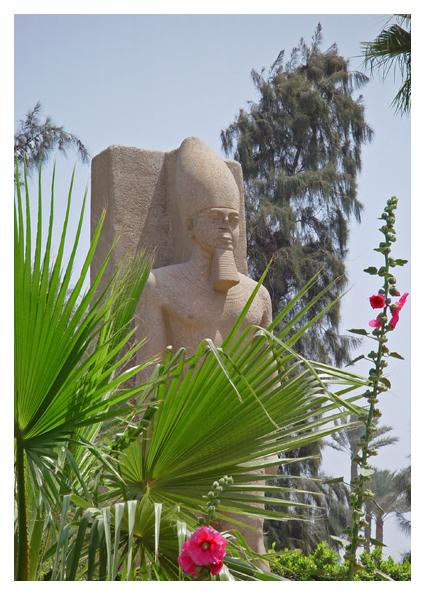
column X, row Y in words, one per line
column 203, row 180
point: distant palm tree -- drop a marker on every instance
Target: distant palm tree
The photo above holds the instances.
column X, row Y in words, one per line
column 391, row 49
column 329, row 516
column 388, row 499
column 347, row 441
column 404, row 486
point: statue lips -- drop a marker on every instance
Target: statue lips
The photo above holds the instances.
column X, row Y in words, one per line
column 225, row 239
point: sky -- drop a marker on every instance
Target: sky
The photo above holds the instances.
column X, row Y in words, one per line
column 152, row 80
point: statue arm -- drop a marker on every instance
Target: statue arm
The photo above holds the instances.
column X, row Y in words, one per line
column 150, row 321
column 267, row 309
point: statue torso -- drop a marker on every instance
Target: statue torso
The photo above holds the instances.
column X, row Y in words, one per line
column 192, row 310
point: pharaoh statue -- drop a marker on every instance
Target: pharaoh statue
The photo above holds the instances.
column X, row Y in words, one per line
column 199, row 293
column 203, row 296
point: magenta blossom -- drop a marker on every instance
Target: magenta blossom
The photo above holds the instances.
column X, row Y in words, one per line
column 396, row 310
column 375, row 323
column 377, row 300
column 186, row 562
column 206, row 547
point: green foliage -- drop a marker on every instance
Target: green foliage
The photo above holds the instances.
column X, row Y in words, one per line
column 68, row 359
column 329, row 514
column 391, row 49
column 324, row 564
column 35, row 140
column 362, row 501
column 300, row 149
column 106, row 488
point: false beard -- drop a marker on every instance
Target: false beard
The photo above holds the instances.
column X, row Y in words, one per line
column 224, row 273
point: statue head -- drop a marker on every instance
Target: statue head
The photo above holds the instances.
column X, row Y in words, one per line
column 208, row 202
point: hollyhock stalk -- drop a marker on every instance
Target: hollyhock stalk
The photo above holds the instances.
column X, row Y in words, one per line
column 377, row 383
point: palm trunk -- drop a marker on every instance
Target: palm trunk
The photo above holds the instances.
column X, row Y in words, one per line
column 23, row 542
column 380, row 528
column 368, row 531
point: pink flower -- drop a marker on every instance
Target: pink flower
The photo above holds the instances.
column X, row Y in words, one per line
column 206, row 546
column 377, row 301
column 215, row 569
column 396, row 310
column 186, row 563
column 375, row 323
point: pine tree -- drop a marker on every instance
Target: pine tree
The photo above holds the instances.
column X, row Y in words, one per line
column 300, row 149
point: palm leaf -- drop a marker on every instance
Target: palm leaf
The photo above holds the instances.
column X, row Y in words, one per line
column 69, row 344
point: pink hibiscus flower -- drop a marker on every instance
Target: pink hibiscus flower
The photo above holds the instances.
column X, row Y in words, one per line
column 377, row 301
column 215, row 569
column 206, row 546
column 396, row 310
column 375, row 323
column 204, row 550
column 186, row 563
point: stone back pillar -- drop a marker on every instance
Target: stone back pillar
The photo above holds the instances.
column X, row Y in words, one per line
column 136, row 187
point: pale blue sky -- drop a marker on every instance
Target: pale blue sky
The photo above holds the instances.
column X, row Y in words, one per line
column 150, row 81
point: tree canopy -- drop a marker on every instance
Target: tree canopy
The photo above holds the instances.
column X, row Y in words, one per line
column 35, row 140
column 300, row 149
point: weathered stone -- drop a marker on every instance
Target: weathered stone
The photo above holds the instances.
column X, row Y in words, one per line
column 188, row 206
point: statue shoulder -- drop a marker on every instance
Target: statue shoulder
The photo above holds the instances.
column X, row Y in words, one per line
column 263, row 295
column 161, row 280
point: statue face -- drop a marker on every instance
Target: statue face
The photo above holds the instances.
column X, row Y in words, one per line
column 216, row 228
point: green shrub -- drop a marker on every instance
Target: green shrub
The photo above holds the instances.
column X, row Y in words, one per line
column 324, row 564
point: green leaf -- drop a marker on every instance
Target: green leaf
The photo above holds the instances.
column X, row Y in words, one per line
column 395, row 354
column 334, row 480
column 356, row 359
column 376, row 542
column 385, row 382
column 401, row 262
column 371, row 270
column 358, row 331
column 341, row 540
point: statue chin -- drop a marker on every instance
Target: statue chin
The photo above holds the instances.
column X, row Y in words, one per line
column 224, row 273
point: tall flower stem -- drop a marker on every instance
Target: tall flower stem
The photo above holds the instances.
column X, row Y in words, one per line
column 23, row 540
column 378, row 383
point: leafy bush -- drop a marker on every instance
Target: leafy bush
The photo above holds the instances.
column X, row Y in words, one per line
column 324, row 564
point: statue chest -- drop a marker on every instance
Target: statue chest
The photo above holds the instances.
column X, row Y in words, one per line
column 193, row 317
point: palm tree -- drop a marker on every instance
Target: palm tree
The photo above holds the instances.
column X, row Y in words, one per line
column 388, row 499
column 348, row 440
column 68, row 361
column 391, row 49
column 403, row 481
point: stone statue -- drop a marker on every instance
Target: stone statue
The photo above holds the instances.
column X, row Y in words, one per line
column 203, row 296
